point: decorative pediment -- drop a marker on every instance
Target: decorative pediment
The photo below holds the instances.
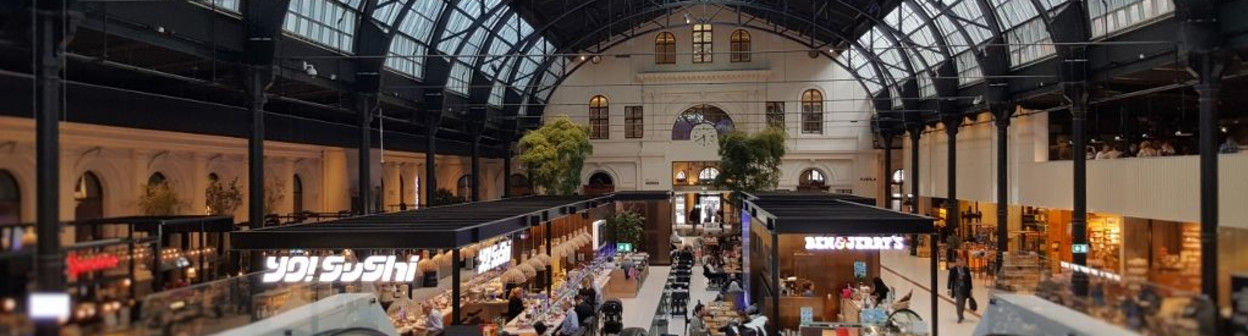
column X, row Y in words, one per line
column 704, row 76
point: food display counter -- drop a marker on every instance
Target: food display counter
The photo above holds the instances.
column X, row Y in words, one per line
column 625, row 283
column 550, row 312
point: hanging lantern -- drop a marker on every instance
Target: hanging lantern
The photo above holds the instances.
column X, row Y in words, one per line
column 527, row 269
column 537, row 264
column 513, row 276
column 427, row 266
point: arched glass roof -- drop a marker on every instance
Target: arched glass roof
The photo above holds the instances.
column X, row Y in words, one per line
column 488, row 37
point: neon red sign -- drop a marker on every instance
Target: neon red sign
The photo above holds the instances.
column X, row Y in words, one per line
column 100, row 262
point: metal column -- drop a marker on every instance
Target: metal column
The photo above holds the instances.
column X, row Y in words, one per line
column 507, row 169
column 934, row 284
column 1079, row 219
column 888, row 169
column 1003, row 197
column 255, row 147
column 915, row 133
column 1209, row 68
column 431, row 171
column 953, row 222
column 365, row 183
column 476, row 167
column 49, row 33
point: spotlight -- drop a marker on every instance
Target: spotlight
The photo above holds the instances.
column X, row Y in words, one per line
column 309, row 69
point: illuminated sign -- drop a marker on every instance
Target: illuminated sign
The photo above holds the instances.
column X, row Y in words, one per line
column 855, row 243
column 493, row 256
column 76, row 265
column 336, row 268
column 49, row 306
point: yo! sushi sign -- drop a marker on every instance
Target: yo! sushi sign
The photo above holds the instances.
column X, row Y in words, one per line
column 493, row 256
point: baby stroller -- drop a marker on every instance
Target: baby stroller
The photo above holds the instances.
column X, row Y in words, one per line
column 612, row 317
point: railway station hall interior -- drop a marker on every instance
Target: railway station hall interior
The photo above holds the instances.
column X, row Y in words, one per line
column 623, row 167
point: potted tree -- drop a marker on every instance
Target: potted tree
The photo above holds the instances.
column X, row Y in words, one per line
column 554, row 155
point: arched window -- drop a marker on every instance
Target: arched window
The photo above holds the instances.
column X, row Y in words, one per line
column 813, row 176
column 599, row 118
column 89, row 199
column 707, row 175
column 463, row 188
column 702, row 47
column 10, row 199
column 665, row 48
column 701, row 114
column 681, row 177
column 600, row 183
column 812, row 179
column 213, row 177
column 520, row 185
column 296, row 195
column 156, row 179
column 740, row 45
column 812, row 112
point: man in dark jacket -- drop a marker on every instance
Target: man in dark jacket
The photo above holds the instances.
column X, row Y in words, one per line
column 960, row 286
column 583, row 311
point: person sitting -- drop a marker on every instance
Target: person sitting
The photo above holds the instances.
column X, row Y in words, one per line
column 880, row 292
column 1229, row 146
column 584, row 310
column 433, row 320
column 713, row 275
column 571, row 322
column 733, row 286
column 541, row 328
column 515, row 303
column 1147, row 149
column 697, row 326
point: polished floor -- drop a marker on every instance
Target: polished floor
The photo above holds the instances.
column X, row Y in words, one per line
column 901, row 271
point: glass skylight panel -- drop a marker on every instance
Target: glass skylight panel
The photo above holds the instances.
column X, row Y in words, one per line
column 460, row 20
column 968, row 68
column 1011, row 13
column 387, row 11
column 1051, row 4
column 953, row 36
column 226, row 5
column 460, row 77
column 1029, row 42
column 418, row 24
column 889, row 56
column 969, row 10
column 406, row 56
column 1117, row 15
column 496, row 94
column 326, row 22
column 927, row 87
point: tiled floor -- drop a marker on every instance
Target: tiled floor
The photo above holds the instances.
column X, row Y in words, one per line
column 639, row 311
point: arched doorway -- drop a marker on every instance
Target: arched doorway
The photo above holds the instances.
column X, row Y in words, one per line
column 155, row 179
column 701, row 114
column 707, row 175
column 463, row 188
column 88, row 204
column 10, row 199
column 296, row 196
column 600, row 183
column 520, row 186
column 812, row 180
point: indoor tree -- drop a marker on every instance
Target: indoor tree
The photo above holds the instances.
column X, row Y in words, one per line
column 223, row 199
column 274, row 193
column 751, row 162
column 444, row 196
column 627, row 227
column 159, row 199
column 554, row 155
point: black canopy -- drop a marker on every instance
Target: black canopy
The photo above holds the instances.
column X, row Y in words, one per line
column 820, row 213
column 436, row 227
column 170, row 224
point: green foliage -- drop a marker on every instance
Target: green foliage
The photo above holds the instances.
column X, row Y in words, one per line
column 159, row 199
column 554, row 155
column 751, row 162
column 444, row 197
column 627, row 226
column 223, row 199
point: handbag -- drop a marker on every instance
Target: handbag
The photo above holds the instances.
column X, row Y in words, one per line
column 973, row 305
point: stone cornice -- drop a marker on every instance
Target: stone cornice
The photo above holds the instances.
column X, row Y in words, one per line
column 704, row 76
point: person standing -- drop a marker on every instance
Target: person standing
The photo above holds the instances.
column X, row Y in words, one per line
column 960, row 286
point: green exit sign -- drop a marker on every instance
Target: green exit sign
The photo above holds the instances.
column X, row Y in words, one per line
column 1079, row 248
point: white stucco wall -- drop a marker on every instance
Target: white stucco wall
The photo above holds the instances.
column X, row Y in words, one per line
column 843, row 152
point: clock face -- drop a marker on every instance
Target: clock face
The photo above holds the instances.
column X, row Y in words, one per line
column 704, row 135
